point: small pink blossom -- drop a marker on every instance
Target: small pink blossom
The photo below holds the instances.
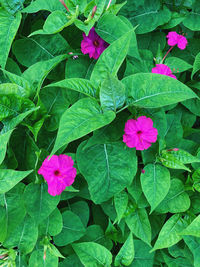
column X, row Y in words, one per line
column 140, row 133
column 93, row 44
column 58, row 172
column 164, row 70
column 177, row 39
column 143, row 171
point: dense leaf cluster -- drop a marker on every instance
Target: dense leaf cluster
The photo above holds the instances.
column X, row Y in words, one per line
column 126, row 207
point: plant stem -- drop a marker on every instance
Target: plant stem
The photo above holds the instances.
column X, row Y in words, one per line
column 108, row 4
column 63, row 3
column 167, row 54
column 122, row 109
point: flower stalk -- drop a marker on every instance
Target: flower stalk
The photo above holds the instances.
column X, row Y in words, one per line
column 63, row 3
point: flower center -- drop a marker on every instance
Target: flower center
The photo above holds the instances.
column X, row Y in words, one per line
column 139, row 132
column 57, row 173
column 96, row 43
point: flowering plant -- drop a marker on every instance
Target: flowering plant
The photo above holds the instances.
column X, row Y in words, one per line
column 99, row 133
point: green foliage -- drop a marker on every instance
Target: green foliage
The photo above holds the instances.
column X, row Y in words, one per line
column 66, row 91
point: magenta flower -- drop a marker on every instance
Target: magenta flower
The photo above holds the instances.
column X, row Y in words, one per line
column 140, row 133
column 93, row 44
column 58, row 172
column 164, row 70
column 177, row 39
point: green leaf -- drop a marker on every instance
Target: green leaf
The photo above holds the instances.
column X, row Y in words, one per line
column 112, row 94
column 9, row 178
column 177, row 64
column 196, row 65
column 193, row 228
column 126, row 254
column 24, row 236
column 83, row 86
column 13, row 204
column 4, row 138
column 37, row 73
column 150, row 90
column 107, row 168
column 12, row 6
column 72, row 230
column 111, row 59
column 138, row 223
column 41, row 204
column 177, row 200
column 82, row 118
column 56, row 22
column 92, row 254
column 38, row 5
column 148, row 15
column 29, row 51
column 155, row 184
column 142, row 256
column 19, row 86
column 193, row 243
column 37, row 259
column 121, row 202
column 181, row 155
column 192, row 21
column 111, row 27
column 170, row 232
column 9, row 25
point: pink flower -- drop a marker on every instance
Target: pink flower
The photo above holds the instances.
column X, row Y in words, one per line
column 93, row 44
column 164, row 70
column 142, row 171
column 58, row 172
column 177, row 39
column 140, row 133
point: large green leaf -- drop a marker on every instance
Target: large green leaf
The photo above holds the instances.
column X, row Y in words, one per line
column 72, row 230
column 92, row 254
column 24, row 236
column 40, row 204
column 111, row 59
column 82, row 118
column 150, row 90
column 37, row 259
column 192, row 21
column 9, row 25
column 126, row 254
column 142, row 256
column 112, row 93
column 193, row 229
column 170, row 232
column 155, row 183
column 194, row 244
column 29, row 51
column 107, row 168
column 121, row 202
column 111, row 27
column 177, row 200
column 56, row 22
column 37, row 73
column 12, row 6
column 196, row 65
column 37, row 5
column 9, row 178
column 147, row 15
column 139, row 224
column 83, row 86
column 4, row 138
column 177, row 65
column 13, row 205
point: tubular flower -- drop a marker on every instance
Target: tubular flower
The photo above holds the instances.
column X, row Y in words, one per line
column 164, row 70
column 58, row 172
column 177, row 39
column 140, row 133
column 93, row 44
